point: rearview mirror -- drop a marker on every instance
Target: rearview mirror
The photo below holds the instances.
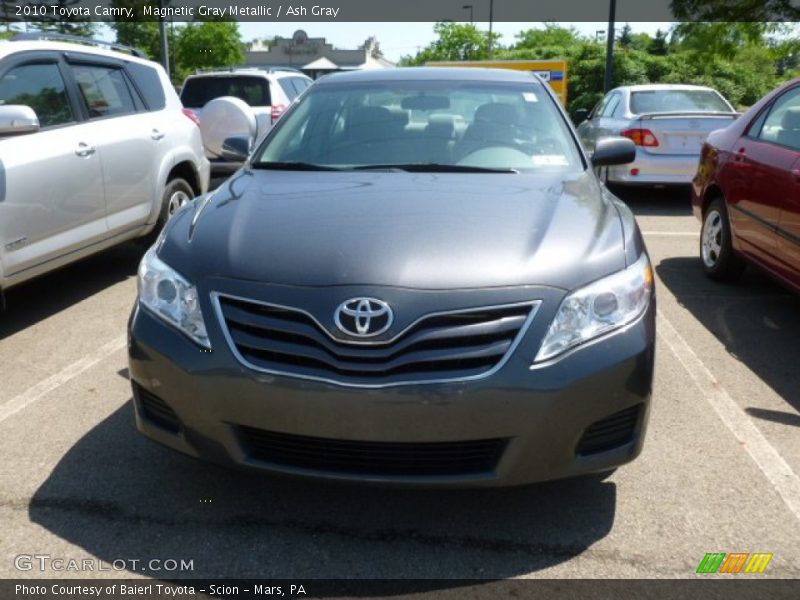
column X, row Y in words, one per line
column 237, row 148
column 423, row 102
column 613, row 151
column 580, row 115
column 17, row 119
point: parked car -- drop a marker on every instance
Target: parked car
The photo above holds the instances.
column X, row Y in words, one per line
column 383, row 295
column 268, row 92
column 94, row 150
column 747, row 191
column 668, row 124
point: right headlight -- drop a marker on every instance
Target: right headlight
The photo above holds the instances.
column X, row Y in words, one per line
column 598, row 308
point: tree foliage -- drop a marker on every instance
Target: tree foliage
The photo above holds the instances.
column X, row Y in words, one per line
column 207, row 45
column 456, row 41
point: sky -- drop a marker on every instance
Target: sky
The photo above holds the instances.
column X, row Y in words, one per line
column 399, row 39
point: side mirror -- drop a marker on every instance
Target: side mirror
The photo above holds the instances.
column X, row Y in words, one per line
column 17, row 119
column 581, row 114
column 237, row 148
column 613, row 151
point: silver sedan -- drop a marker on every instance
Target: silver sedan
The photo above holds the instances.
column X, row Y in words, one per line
column 668, row 124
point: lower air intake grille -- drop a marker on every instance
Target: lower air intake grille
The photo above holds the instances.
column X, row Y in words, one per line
column 155, row 410
column 613, row 431
column 373, row 458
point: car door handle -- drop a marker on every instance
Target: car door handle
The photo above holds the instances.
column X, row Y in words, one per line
column 739, row 156
column 157, row 135
column 84, row 150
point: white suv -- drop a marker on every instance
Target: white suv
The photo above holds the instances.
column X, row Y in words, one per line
column 95, row 149
column 268, row 92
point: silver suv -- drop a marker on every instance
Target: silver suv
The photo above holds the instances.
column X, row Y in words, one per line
column 95, row 149
column 267, row 92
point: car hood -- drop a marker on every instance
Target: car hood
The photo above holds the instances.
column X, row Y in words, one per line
column 415, row 230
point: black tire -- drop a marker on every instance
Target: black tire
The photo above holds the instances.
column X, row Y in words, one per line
column 717, row 256
column 176, row 193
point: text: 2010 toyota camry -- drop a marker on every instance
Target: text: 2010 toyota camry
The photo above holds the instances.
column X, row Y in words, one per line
column 416, row 278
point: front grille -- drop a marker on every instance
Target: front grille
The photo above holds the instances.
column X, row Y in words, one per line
column 451, row 346
column 155, row 410
column 372, row 458
column 611, row 432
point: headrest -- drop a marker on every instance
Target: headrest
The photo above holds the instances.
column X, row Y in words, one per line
column 441, row 126
column 791, row 118
column 497, row 113
column 376, row 122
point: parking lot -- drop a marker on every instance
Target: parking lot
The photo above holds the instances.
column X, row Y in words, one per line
column 719, row 472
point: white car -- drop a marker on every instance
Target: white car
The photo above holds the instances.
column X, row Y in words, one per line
column 267, row 92
column 668, row 123
column 95, row 149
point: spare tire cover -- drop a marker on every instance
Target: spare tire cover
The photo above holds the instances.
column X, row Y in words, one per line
column 225, row 117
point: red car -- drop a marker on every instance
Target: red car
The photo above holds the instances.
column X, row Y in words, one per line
column 747, row 191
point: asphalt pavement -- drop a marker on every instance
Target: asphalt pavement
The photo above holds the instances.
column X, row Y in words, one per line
column 719, row 471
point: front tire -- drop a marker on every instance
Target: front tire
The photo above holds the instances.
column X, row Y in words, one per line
column 719, row 260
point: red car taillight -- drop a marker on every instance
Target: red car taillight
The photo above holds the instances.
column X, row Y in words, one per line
column 277, row 111
column 641, row 137
column 191, row 115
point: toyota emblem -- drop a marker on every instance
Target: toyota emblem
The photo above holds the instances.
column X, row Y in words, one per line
column 363, row 317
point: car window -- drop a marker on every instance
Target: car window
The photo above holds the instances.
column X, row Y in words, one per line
column 199, row 90
column 41, row 87
column 148, row 82
column 782, row 124
column 598, row 108
column 656, row 101
column 494, row 125
column 611, row 105
column 288, row 88
column 104, row 90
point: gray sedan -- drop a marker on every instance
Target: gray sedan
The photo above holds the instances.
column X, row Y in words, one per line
column 668, row 124
column 416, row 279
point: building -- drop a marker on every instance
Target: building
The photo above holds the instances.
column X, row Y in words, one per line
column 314, row 56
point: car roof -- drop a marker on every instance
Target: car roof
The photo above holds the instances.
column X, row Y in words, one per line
column 657, row 87
column 248, row 71
column 428, row 74
column 9, row 47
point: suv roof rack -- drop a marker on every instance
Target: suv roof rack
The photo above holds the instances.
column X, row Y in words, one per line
column 248, row 68
column 76, row 39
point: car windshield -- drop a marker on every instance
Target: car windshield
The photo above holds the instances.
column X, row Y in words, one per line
column 423, row 126
column 656, row 101
column 197, row 91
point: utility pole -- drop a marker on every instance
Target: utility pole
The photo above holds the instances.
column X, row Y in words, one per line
column 609, row 79
column 162, row 33
column 491, row 20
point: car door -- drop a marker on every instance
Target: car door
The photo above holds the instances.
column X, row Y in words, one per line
column 601, row 122
column 786, row 117
column 126, row 136
column 761, row 182
column 52, row 200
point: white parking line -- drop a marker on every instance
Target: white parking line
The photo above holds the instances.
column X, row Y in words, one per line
column 44, row 387
column 780, row 474
column 673, row 233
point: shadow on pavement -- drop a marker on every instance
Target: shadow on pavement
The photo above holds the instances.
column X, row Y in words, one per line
column 118, row 495
column 40, row 298
column 756, row 319
column 673, row 201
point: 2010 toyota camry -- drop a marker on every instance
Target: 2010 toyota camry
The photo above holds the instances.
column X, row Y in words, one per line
column 416, row 278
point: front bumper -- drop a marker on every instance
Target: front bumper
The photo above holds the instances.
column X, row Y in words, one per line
column 208, row 405
column 656, row 169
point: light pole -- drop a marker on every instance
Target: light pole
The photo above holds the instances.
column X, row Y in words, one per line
column 469, row 6
column 162, row 33
column 598, row 34
column 491, row 19
column 609, row 79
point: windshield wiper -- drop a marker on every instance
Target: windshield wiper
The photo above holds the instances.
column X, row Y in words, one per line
column 292, row 166
column 433, row 168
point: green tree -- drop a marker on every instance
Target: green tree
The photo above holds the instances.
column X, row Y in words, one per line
column 206, row 45
column 456, row 41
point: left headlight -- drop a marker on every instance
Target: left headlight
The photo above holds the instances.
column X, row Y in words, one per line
column 598, row 308
column 169, row 296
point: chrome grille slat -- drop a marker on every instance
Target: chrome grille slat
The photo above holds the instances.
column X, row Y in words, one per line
column 451, row 346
